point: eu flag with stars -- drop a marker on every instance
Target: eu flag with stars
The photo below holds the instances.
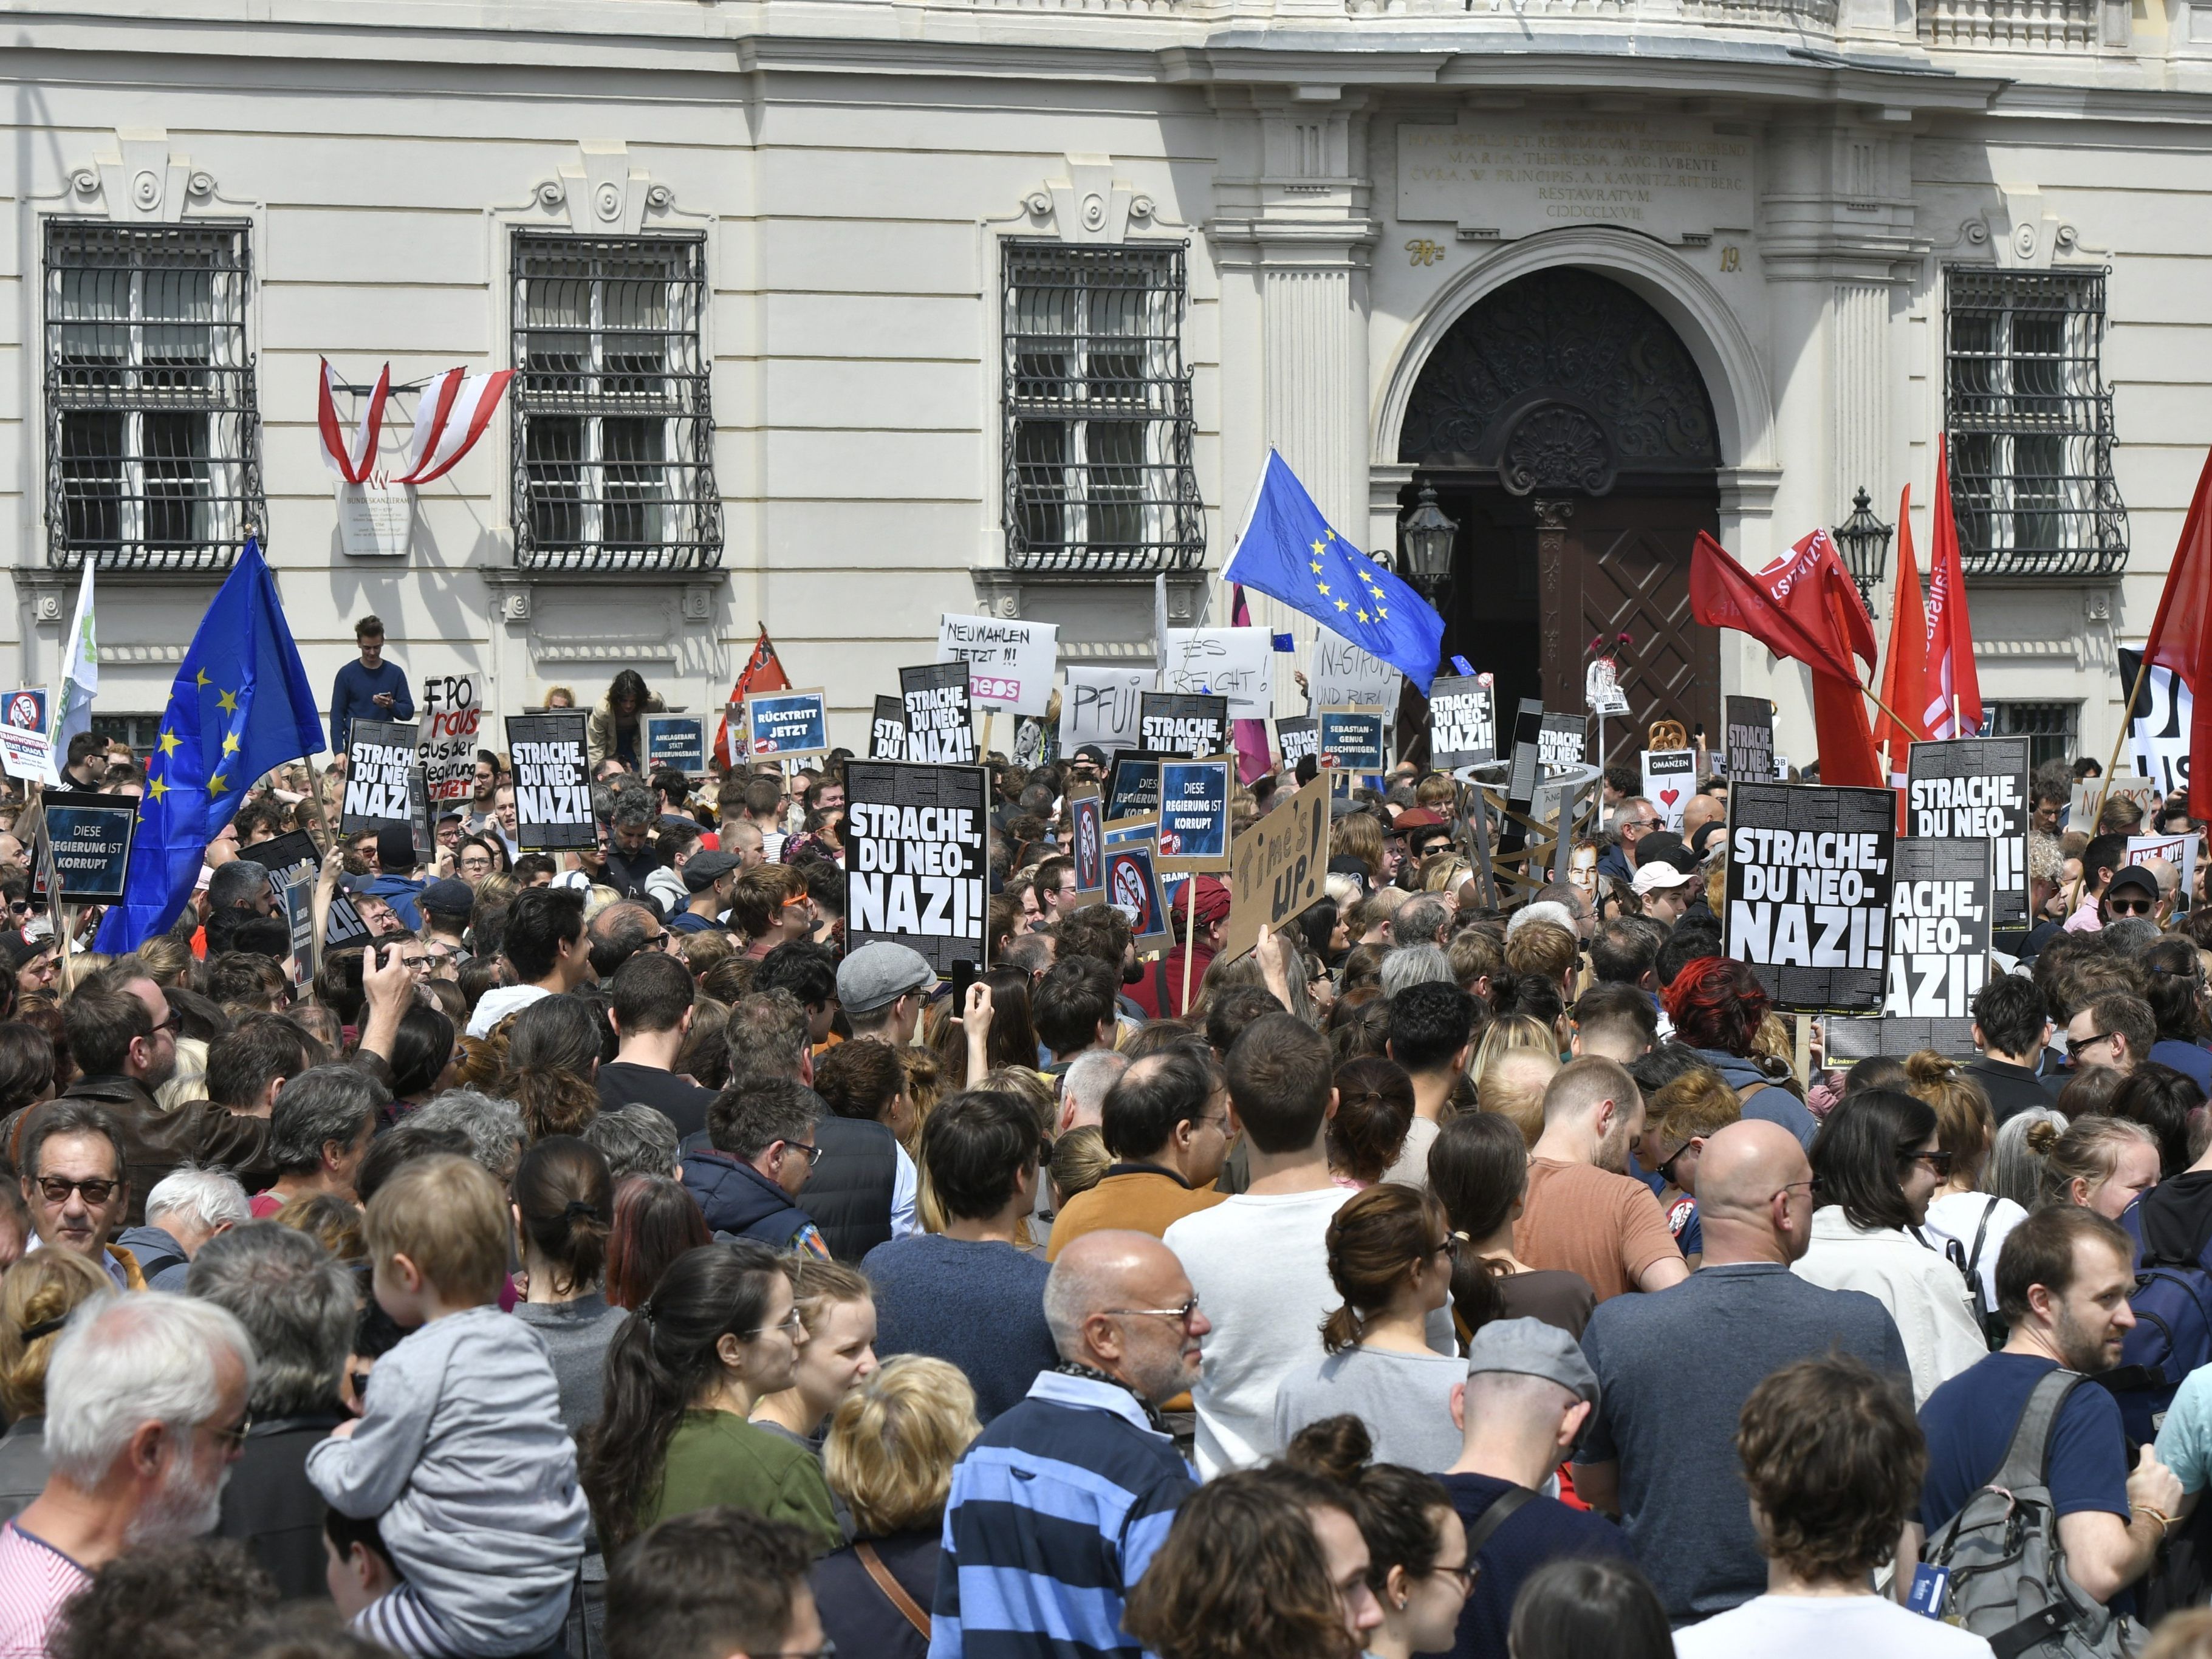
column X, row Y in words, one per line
column 240, row 706
column 1287, row 550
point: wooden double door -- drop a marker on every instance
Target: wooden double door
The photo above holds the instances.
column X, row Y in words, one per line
column 1537, row 577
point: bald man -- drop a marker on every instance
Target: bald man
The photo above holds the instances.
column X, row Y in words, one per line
column 1699, row 810
column 1675, row 1367
column 1084, row 1455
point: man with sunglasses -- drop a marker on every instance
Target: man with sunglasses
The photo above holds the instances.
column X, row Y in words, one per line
column 123, row 1035
column 2116, row 1031
column 73, row 1181
column 2103, row 864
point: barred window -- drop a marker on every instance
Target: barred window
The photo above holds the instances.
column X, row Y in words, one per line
column 2030, row 422
column 2053, row 729
column 1097, row 413
column 613, row 430
column 153, row 434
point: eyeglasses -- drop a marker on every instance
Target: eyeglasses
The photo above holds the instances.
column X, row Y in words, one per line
column 173, row 1024
column 1811, row 1184
column 1939, row 1162
column 1466, row 1572
column 235, row 1435
column 2120, row 906
column 56, row 1190
column 813, row 1152
column 2076, row 1047
column 1666, row 1165
column 790, row 1321
column 1448, row 1250
column 1181, row 1314
column 826, row 1650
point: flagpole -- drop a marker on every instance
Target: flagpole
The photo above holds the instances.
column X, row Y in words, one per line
column 1189, row 933
column 2105, row 788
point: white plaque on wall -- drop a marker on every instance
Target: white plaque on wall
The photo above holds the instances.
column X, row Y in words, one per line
column 1515, row 173
column 374, row 519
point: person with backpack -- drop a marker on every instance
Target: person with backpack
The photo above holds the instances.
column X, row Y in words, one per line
column 1966, row 1222
column 2029, row 1505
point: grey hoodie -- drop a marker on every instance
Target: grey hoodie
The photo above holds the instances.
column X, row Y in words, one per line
column 1773, row 1102
column 462, row 1453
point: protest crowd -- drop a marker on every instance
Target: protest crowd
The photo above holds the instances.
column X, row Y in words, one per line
column 787, row 1206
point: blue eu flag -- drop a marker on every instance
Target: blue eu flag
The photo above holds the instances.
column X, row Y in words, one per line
column 1287, row 550
column 239, row 707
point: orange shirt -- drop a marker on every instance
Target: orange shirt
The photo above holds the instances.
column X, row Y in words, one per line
column 1135, row 1196
column 1582, row 1219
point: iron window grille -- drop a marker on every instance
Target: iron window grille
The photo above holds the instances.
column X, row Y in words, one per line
column 2030, row 422
column 2053, row 729
column 152, row 431
column 1098, row 425
column 613, row 430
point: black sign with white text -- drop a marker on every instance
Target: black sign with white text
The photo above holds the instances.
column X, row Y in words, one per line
column 1750, row 744
column 1520, row 781
column 887, row 732
column 1976, row 789
column 1297, row 736
column 1132, row 786
column 379, row 755
column 1463, row 721
column 1182, row 723
column 940, row 714
column 1808, row 887
column 917, row 859
column 1939, row 928
column 552, row 784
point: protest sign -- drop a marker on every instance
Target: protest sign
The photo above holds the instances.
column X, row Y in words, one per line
column 1132, row 832
column 1133, row 887
column 1939, row 928
column 447, row 745
column 1462, row 721
column 940, row 717
column 1236, row 663
column 88, row 842
column 1670, row 778
column 1087, row 812
column 2180, row 851
column 1851, row 1040
column 1750, row 744
column 917, row 859
column 1343, row 676
column 783, row 724
column 1033, row 741
column 379, row 755
column 677, row 743
column 2157, row 735
column 1976, row 789
column 293, row 850
column 552, row 785
column 2083, row 809
column 1133, row 786
column 1297, row 736
column 1010, row 664
column 1809, row 884
column 1100, row 706
column 344, row 927
column 1352, row 740
column 26, row 710
column 27, row 755
column 293, row 865
column 1277, row 867
column 1194, row 813
column 1527, row 770
column 887, row 731
column 1180, row 723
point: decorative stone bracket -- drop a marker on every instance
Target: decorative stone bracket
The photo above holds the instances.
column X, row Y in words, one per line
column 141, row 182
column 1089, row 206
column 605, row 196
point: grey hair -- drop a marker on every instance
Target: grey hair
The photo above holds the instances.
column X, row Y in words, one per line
column 126, row 1361
column 1415, row 964
column 2014, row 1172
column 496, row 1136
column 634, row 805
column 1072, row 1294
column 210, row 1197
column 1419, row 920
column 298, row 1303
column 634, row 1140
column 322, row 1105
column 236, row 881
column 1091, row 1075
column 2131, row 936
column 1549, row 910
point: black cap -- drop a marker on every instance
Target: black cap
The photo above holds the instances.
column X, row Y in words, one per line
column 447, row 898
column 395, row 849
column 702, row 870
column 2134, row 876
column 1091, row 752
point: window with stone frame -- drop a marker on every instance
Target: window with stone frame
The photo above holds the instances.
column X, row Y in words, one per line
column 1097, row 411
column 2030, row 423
column 152, row 426
column 612, row 425
column 2053, row 729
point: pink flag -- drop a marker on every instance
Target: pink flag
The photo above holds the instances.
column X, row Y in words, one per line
column 1250, row 737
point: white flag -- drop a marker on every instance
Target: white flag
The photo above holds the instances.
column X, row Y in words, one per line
column 79, row 672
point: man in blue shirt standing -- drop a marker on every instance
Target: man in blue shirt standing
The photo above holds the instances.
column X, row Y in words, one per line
column 370, row 689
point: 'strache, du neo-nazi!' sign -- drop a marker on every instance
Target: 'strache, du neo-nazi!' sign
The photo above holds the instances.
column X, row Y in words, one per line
column 917, row 855
column 1808, row 887
column 552, row 786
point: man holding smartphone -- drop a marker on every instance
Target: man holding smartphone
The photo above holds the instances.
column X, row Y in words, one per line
column 369, row 689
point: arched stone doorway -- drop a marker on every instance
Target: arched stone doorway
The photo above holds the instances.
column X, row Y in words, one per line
column 1567, row 428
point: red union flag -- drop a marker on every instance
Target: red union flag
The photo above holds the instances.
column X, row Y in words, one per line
column 763, row 672
column 2181, row 635
column 1952, row 696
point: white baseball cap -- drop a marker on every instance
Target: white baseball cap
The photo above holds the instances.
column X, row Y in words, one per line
column 1659, row 873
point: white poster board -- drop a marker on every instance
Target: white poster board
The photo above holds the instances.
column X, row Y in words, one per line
column 1010, row 664
column 1236, row 663
column 1670, row 778
column 1345, row 676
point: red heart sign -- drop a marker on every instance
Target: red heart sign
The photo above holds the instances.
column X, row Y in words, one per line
column 1668, row 796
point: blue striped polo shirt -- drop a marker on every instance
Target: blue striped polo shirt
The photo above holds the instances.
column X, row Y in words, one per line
column 1054, row 1514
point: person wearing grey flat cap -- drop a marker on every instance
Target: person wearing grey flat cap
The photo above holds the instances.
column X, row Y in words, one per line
column 1528, row 1391
column 882, row 987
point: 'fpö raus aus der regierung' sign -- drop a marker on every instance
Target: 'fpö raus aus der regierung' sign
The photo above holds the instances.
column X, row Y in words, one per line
column 1808, row 887
column 917, row 858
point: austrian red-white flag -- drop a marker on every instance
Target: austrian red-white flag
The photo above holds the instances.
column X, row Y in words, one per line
column 1952, row 702
column 454, row 409
column 351, row 459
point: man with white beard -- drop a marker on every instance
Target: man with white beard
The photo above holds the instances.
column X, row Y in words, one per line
column 146, row 1410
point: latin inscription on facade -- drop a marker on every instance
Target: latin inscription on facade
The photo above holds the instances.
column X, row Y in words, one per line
column 1514, row 174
